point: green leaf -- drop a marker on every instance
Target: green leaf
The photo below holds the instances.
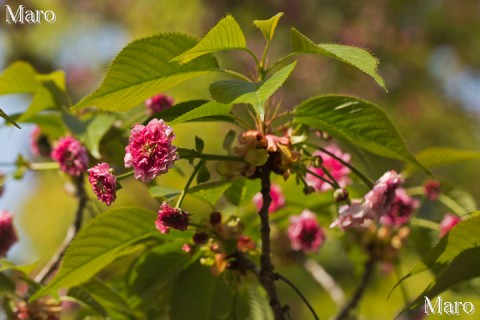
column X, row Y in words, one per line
column 443, row 156
column 100, row 243
column 225, row 35
column 203, row 174
column 50, row 124
column 267, row 27
column 6, row 284
column 242, row 191
column 143, row 69
column 97, row 127
column 229, row 139
column 155, row 272
column 205, row 111
column 19, row 77
column 356, row 57
column 80, row 296
column 258, row 304
column 356, row 121
column 197, row 292
column 8, row 119
column 256, row 94
column 164, row 192
column 210, row 192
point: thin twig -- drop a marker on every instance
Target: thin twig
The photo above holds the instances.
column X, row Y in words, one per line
column 44, row 274
column 280, row 277
column 326, row 281
column 267, row 275
column 358, row 294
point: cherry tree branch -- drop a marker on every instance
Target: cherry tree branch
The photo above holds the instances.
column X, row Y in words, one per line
column 46, row 272
column 267, row 275
column 359, row 292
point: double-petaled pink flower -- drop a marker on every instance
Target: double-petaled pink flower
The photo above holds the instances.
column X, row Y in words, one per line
column 432, row 189
column 8, row 235
column 335, row 167
column 305, row 233
column 169, row 217
column 401, row 209
column 351, row 216
column 71, row 155
column 448, row 222
column 278, row 200
column 379, row 200
column 158, row 103
column 150, row 151
column 103, row 182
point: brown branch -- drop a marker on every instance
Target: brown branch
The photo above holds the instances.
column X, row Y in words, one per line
column 357, row 296
column 46, row 272
column 267, row 274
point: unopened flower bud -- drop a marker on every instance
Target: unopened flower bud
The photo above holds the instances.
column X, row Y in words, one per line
column 215, row 218
column 317, row 161
column 340, row 195
column 308, row 190
column 200, row 238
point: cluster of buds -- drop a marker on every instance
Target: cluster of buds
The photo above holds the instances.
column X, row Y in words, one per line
column 256, row 149
column 41, row 309
column 382, row 242
column 222, row 244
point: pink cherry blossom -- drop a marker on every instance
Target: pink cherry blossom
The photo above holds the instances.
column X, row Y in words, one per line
column 104, row 183
column 352, row 215
column 401, row 210
column 150, row 151
column 8, row 235
column 305, row 233
column 448, row 222
column 336, row 168
column 169, row 217
column 158, row 103
column 71, row 155
column 278, row 200
column 432, row 189
column 379, row 200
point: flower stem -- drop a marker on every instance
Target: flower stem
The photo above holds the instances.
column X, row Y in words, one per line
column 280, row 277
column 189, row 182
column 334, row 186
column 125, row 175
column 267, row 274
column 358, row 294
column 38, row 166
column 357, row 172
column 236, row 74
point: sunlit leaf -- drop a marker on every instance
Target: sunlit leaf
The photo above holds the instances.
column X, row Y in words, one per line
column 8, row 119
column 205, row 111
column 210, row 192
column 19, row 77
column 443, row 156
column 255, row 94
column 267, row 27
column 225, row 35
column 356, row 121
column 164, row 192
column 143, row 69
column 356, row 57
column 99, row 243
column 242, row 191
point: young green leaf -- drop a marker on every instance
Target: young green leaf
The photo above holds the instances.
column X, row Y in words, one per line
column 356, row 57
column 242, row 191
column 97, row 127
column 255, row 94
column 143, row 69
column 267, row 27
column 8, row 119
column 203, row 174
column 356, row 121
column 100, row 243
column 225, row 35
column 443, row 156
column 206, row 111
column 228, row 141
column 19, row 77
column 164, row 192
column 199, row 144
column 210, row 192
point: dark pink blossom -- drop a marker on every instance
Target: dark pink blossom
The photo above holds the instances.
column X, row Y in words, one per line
column 8, row 235
column 352, row 215
column 39, row 143
column 158, row 103
column 150, row 151
column 401, row 210
column 104, row 183
column 336, row 168
column 379, row 200
column 448, row 222
column 169, row 217
column 278, row 200
column 305, row 233
column 432, row 189
column 71, row 155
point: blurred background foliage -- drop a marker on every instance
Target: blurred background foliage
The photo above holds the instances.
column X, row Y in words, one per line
column 429, row 53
